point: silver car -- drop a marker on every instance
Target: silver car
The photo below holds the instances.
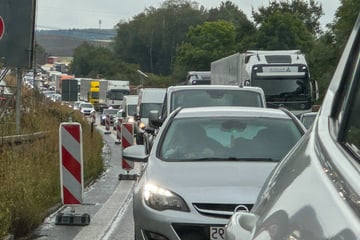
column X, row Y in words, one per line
column 205, row 163
column 314, row 193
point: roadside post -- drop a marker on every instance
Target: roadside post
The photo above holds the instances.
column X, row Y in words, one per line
column 93, row 121
column 71, row 173
column 107, row 124
column 118, row 131
column 127, row 139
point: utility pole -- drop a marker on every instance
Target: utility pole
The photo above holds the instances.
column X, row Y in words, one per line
column 143, row 75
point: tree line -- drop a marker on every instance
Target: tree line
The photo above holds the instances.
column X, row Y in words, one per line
column 181, row 35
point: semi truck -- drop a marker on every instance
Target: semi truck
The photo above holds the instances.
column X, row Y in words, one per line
column 283, row 75
column 94, row 92
column 116, row 90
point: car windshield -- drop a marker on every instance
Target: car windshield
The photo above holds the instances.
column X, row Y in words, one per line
column 86, row 105
column 233, row 139
column 132, row 110
column 215, row 97
column 147, row 107
column 110, row 111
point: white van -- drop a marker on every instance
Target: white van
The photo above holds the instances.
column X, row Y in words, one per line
column 149, row 99
column 129, row 106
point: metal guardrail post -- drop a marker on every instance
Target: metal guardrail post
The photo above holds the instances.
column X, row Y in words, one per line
column 18, row 99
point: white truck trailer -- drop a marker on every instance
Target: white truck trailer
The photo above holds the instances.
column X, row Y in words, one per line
column 283, row 75
column 116, row 90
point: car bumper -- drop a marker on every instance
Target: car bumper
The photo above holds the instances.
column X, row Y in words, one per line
column 173, row 225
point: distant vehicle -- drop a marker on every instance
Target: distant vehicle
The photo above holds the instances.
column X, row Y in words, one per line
column 308, row 118
column 198, row 78
column 313, row 193
column 204, row 95
column 205, row 163
column 116, row 90
column 76, row 105
column 86, row 109
column 211, row 95
column 283, row 75
column 148, row 99
column 129, row 107
column 108, row 112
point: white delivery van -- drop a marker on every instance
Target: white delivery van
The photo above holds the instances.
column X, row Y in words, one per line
column 149, row 99
column 129, row 106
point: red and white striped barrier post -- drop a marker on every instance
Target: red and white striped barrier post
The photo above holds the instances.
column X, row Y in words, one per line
column 127, row 139
column 71, row 172
column 107, row 124
column 118, row 131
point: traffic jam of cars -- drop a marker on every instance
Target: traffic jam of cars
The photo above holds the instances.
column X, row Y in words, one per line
column 237, row 161
column 240, row 172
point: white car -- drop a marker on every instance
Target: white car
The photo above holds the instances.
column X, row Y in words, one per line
column 86, row 109
column 205, row 163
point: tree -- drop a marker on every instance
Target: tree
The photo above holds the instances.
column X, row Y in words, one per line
column 309, row 13
column 150, row 39
column 206, row 43
column 283, row 31
column 245, row 29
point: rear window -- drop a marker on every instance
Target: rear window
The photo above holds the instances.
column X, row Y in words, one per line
column 214, row 97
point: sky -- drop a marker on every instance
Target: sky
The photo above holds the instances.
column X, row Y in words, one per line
column 105, row 14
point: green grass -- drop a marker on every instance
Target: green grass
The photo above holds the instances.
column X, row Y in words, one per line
column 29, row 173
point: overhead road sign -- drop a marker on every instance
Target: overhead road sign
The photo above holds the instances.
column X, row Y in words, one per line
column 17, row 21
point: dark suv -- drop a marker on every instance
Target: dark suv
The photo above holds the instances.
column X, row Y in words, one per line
column 314, row 193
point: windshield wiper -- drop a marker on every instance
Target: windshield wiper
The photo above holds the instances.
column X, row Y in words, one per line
column 233, row 159
column 248, row 159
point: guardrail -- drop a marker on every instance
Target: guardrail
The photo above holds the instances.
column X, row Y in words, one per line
column 23, row 138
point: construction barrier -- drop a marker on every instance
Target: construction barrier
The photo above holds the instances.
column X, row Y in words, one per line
column 71, row 172
column 107, row 124
column 118, row 132
column 127, row 139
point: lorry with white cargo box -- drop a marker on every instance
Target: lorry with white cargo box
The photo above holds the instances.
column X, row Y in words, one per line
column 116, row 90
column 282, row 74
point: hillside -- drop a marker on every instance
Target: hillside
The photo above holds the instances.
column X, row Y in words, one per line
column 63, row 42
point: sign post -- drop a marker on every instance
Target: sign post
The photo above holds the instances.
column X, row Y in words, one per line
column 71, row 173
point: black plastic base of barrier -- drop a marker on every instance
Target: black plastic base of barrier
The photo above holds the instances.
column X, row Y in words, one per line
column 72, row 219
column 128, row 176
column 107, row 132
column 118, row 142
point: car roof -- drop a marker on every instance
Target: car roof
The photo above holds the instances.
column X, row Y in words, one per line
column 195, row 87
column 231, row 111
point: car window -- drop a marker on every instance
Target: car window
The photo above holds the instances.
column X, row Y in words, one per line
column 347, row 111
column 352, row 128
column 229, row 138
column 214, row 97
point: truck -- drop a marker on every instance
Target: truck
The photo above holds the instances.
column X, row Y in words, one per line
column 116, row 90
column 282, row 74
column 94, row 91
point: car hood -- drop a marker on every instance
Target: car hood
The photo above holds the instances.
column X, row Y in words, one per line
column 226, row 182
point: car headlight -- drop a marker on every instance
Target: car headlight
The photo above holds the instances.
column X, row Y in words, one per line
column 162, row 199
column 142, row 125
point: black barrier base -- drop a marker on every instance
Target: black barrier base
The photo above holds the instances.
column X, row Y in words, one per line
column 118, row 142
column 128, row 176
column 72, row 219
column 107, row 132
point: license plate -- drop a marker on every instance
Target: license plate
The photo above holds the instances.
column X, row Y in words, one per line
column 217, row 233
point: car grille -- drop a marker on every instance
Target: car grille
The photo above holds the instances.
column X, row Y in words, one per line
column 220, row 210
